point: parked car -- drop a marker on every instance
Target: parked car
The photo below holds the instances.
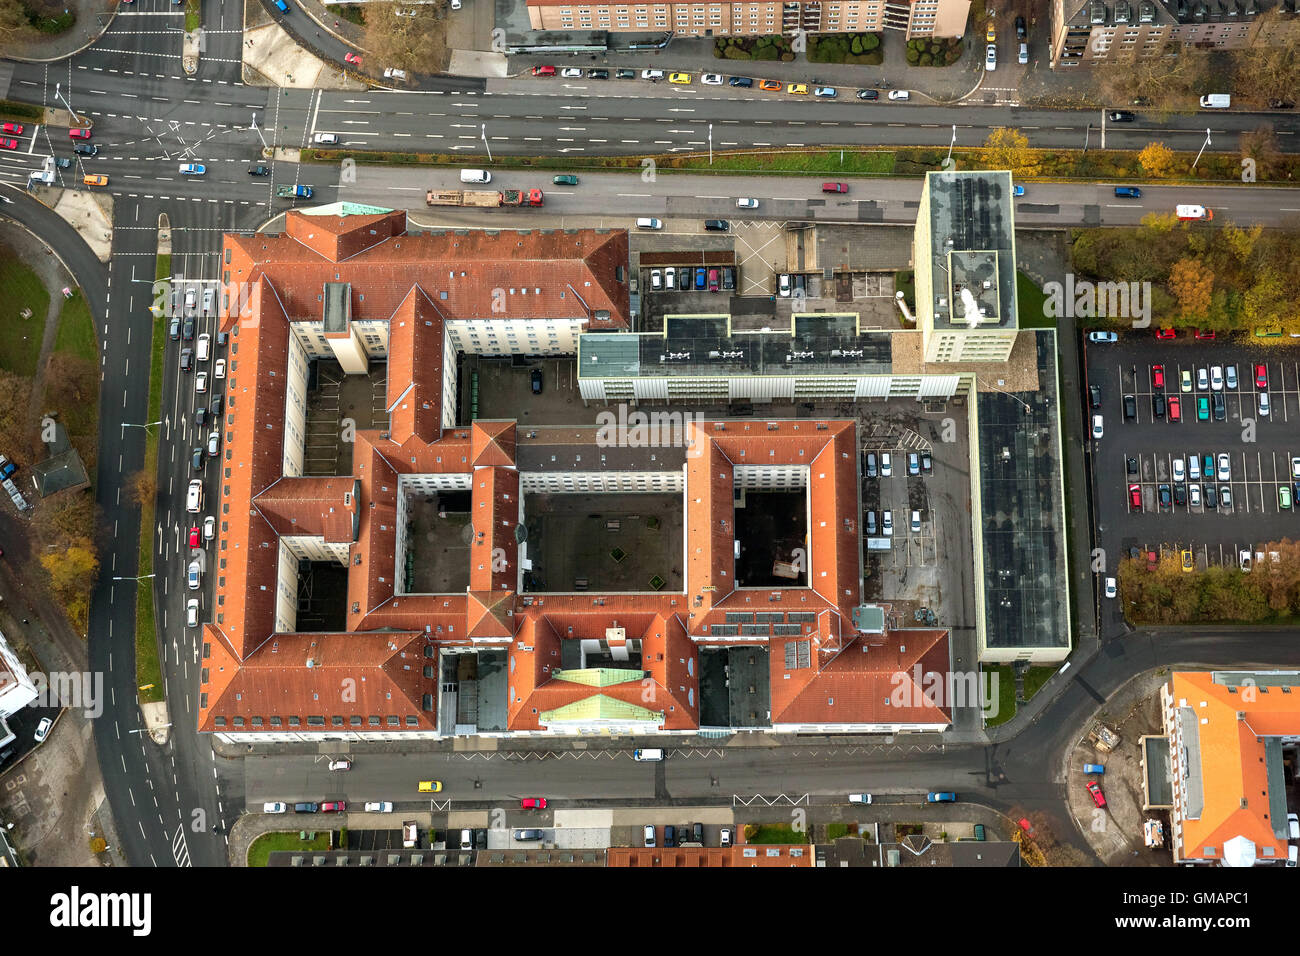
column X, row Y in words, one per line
column 333, row 806
column 1175, row 409
column 711, row 79
column 1121, row 116
column 381, row 806
column 1179, row 469
column 941, row 796
column 1157, row 376
column 571, row 72
column 835, row 187
column 1188, row 565
column 1135, row 497
column 209, row 525
column 533, row 803
column 1110, row 589
column 798, row 89
column 1165, row 498
column 43, row 729
column 535, row 381
column 1284, row 497
column 899, row 94
column 543, row 71
column 868, row 94
column 1102, row 337
column 530, row 835
column 887, row 524
column 1130, row 407
column 913, row 463
column 341, row 764
column 656, row 279
column 15, row 128
column 598, row 74
column 1020, row 28
column 306, row 807
column 1230, row 376
column 859, row 798
column 724, row 836
column 670, row 836
column 625, row 74
column 652, row 74
column 1095, row 791
column 680, row 78
column 1158, row 404
column 648, row 833
column 826, row 92
column 1261, row 376
column 276, row 807
column 742, row 81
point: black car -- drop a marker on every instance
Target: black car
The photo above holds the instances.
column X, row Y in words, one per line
column 85, row 149
column 1211, row 497
column 1094, row 396
column 1158, row 404
column 868, row 94
column 728, row 278
column 174, row 330
column 598, row 74
column 187, row 330
column 927, row 465
column 1164, row 496
column 1180, row 493
column 528, row 834
column 196, row 459
column 63, row 162
column 535, row 377
column 216, row 407
column 1281, row 105
column 670, row 835
column 716, row 225
column 625, row 75
column 480, row 838
column 1220, row 406
column 1130, row 407
column 744, row 81
column 187, row 359
column 1121, row 116
column 1020, row 28
column 221, row 340
column 1131, row 465
column 260, row 171
column 697, row 832
column 200, row 416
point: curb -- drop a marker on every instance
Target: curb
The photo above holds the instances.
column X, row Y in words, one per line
column 64, row 56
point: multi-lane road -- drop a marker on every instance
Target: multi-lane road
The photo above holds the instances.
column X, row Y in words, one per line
column 149, row 117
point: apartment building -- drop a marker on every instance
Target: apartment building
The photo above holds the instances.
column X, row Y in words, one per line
column 1096, row 32
column 917, row 18
column 17, row 689
column 1231, row 736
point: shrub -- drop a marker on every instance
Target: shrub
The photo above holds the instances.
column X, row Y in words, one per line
column 913, row 57
column 926, row 59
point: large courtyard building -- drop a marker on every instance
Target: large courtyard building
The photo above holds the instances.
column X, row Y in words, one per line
column 413, row 568
column 916, row 18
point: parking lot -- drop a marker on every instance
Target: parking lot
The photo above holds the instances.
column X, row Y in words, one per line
column 1140, row 450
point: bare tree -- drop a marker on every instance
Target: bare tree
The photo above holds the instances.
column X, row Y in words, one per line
column 13, row 20
column 1261, row 146
column 1161, row 82
column 1270, row 70
column 415, row 41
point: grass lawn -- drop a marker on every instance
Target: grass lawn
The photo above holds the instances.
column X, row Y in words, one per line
column 774, row 833
column 269, row 843
column 836, row 830
column 1035, row 678
column 876, row 162
column 1032, row 299
column 1006, row 699
column 77, row 330
column 20, row 339
column 193, row 17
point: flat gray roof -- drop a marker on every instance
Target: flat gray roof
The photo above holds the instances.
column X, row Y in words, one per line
column 972, row 249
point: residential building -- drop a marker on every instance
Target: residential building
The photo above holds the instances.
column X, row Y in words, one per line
column 16, row 689
column 1098, row 32
column 1231, row 735
column 917, row 18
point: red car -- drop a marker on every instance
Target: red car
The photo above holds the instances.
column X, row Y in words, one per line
column 353, row 59
column 1095, row 790
column 1135, row 496
column 9, row 143
column 333, row 806
column 1175, row 409
column 835, row 187
column 533, row 803
column 1151, row 560
column 79, row 133
column 1261, row 376
column 1157, row 376
column 543, row 71
column 1026, row 826
column 15, row 128
column 1205, row 333
column 194, row 537
column 1166, row 334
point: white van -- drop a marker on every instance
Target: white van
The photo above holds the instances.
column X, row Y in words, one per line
column 194, row 497
column 326, row 139
column 466, row 840
column 1216, row 101
column 203, row 348
column 646, row 223
column 475, row 176
column 652, row 754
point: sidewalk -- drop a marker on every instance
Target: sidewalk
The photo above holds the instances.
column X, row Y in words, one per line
column 92, row 21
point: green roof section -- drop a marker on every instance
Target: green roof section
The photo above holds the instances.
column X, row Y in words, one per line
column 604, row 354
column 345, row 209
column 599, row 707
column 599, row 676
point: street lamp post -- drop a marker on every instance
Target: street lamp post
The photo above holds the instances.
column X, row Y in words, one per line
column 142, row 577
column 710, row 144
column 1086, row 136
column 145, row 425
column 951, row 143
column 1202, row 149
column 483, row 134
column 58, row 94
column 258, row 130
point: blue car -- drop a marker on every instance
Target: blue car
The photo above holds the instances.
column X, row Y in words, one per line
column 1128, row 192
column 699, row 277
column 941, row 796
column 281, row 6
column 1018, row 190
column 1094, row 768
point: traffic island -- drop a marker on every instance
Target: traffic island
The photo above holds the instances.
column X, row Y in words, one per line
column 272, row 57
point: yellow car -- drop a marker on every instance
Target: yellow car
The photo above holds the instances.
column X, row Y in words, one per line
column 990, row 35
column 1187, row 561
column 95, row 180
column 799, row 89
column 430, row 786
column 683, row 78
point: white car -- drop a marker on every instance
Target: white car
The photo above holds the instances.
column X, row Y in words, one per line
column 1243, row 558
column 859, row 798
column 1295, row 466
column 1263, row 403
column 656, row 279
column 571, row 72
column 826, row 92
column 991, row 57
column 916, row 521
column 201, row 382
column 194, row 497
column 1194, row 496
column 1216, row 378
column 1102, row 337
column 193, row 169
column 898, row 94
column 784, row 284
column 341, row 764
column 1096, row 426
column 209, row 527
column 383, row 806
column 1110, row 587
column 887, row 524
column 1230, row 374
column 214, row 443
column 193, row 575
column 1180, row 473
column 393, row 74
column 455, row 4
column 1194, row 467
column 219, row 369
column 1202, row 379
column 1225, row 467
column 43, row 729
column 652, row 75
column 711, row 79
column 274, row 808
column 326, row 139
column 649, row 835
column 886, row 464
column 670, row 278
column 192, row 612
column 746, row 203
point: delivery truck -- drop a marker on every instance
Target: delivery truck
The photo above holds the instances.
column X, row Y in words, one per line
column 483, row 197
